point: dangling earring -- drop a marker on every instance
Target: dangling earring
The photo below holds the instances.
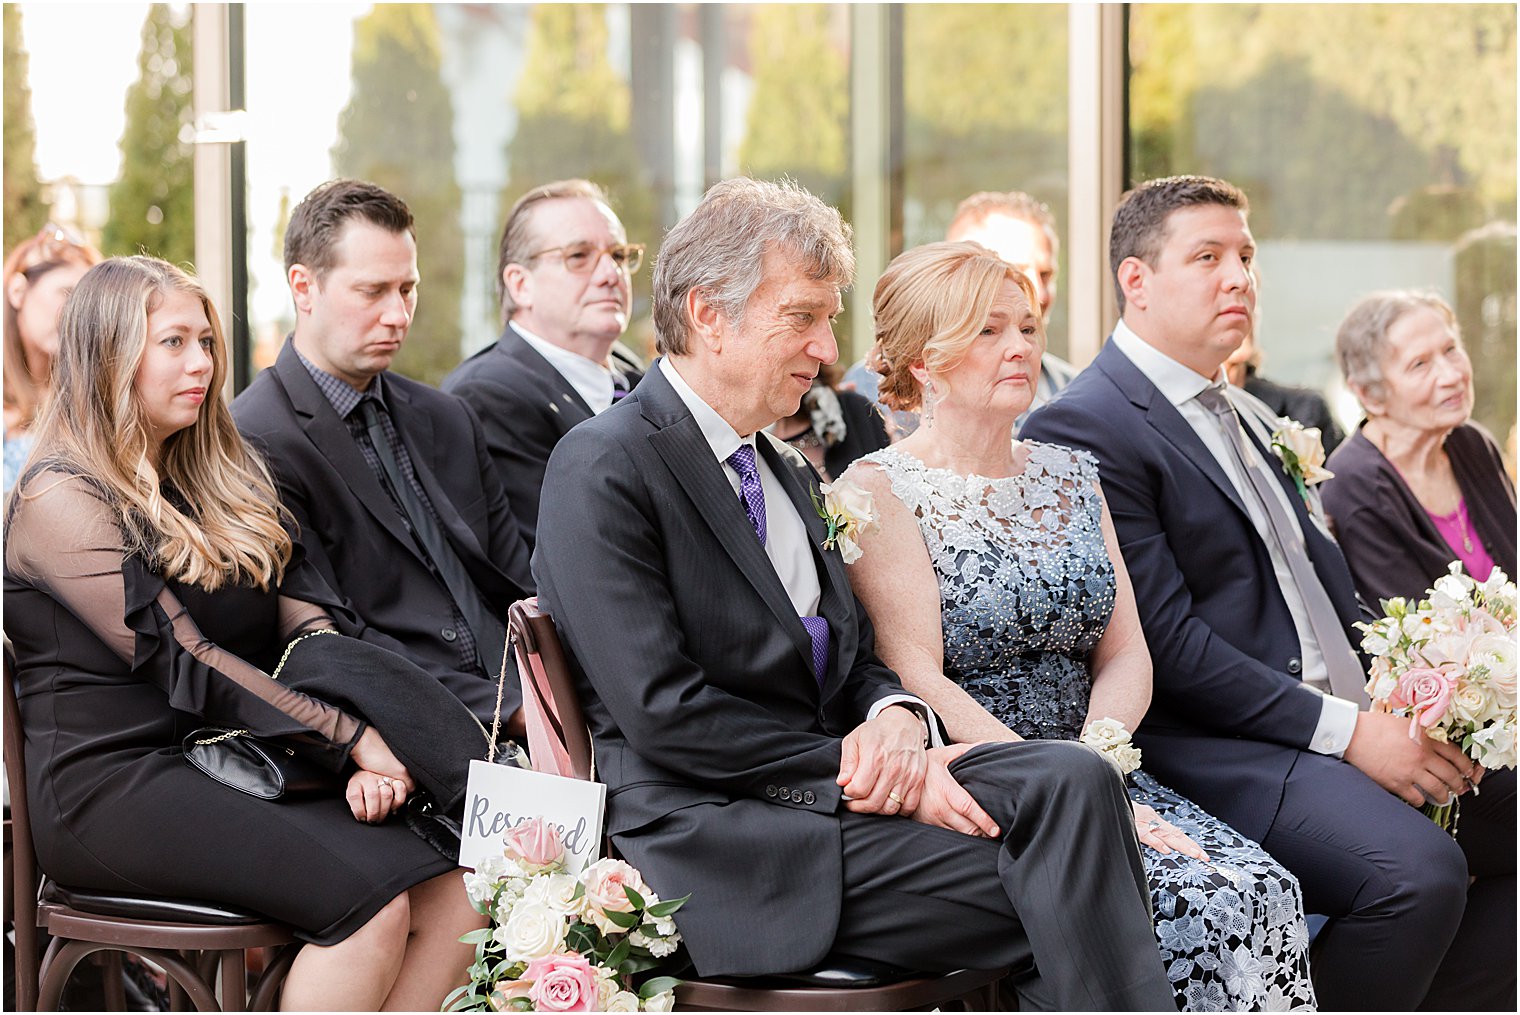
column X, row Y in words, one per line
column 931, row 395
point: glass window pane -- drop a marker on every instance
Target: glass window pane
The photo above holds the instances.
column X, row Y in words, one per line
column 1377, row 145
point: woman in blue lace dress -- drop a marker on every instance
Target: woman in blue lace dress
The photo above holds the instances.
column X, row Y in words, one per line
column 998, row 593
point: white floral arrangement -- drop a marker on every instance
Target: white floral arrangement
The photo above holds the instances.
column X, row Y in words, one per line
column 561, row 942
column 1303, row 455
column 1109, row 738
column 849, row 510
column 1448, row 663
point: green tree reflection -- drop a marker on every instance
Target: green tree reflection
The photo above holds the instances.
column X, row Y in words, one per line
column 25, row 211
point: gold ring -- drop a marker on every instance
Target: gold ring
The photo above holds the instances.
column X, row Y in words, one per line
column 895, row 798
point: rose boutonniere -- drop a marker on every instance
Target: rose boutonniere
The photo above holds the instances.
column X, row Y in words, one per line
column 1109, row 738
column 1302, row 454
column 849, row 511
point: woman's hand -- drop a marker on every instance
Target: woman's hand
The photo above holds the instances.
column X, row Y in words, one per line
column 374, row 797
column 1163, row 836
column 882, row 763
column 372, row 754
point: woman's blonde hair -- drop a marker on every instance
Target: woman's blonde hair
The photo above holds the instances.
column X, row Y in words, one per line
column 26, row 383
column 226, row 528
column 929, row 305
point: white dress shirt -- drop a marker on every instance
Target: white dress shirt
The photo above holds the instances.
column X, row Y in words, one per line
column 591, row 380
column 1181, row 386
column 786, row 536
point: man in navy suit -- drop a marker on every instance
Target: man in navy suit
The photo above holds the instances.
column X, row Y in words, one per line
column 565, row 283
column 756, row 752
column 1247, row 606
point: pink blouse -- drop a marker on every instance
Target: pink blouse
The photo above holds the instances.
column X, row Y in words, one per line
column 1456, row 528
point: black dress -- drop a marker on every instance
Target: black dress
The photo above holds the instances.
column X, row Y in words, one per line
column 115, row 666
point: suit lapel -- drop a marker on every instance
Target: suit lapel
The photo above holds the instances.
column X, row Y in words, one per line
column 331, row 436
column 835, row 603
column 685, row 451
column 1164, row 418
column 563, row 399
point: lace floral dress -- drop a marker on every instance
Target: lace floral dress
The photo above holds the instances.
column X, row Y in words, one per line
column 1026, row 590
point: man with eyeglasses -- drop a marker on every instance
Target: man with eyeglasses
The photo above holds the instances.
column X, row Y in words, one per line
column 387, row 479
column 565, row 283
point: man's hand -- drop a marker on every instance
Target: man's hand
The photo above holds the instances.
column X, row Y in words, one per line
column 946, row 803
column 882, row 762
column 1413, row 770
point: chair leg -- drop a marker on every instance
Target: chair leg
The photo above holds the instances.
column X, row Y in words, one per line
column 113, row 987
column 26, row 966
column 234, row 986
column 267, row 991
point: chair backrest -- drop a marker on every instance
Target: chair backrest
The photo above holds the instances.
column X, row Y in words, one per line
column 23, row 857
column 558, row 742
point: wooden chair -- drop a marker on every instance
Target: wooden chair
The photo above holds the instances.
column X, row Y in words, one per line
column 559, row 743
column 190, row 940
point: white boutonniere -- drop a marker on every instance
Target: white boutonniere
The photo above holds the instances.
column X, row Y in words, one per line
column 1303, row 455
column 1109, row 738
column 849, row 511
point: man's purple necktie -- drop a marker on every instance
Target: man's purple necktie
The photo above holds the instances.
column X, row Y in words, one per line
column 753, row 497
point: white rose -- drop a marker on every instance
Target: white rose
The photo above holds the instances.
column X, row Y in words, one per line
column 531, row 932
column 557, row 891
column 665, row 1000
column 1109, row 738
column 604, row 883
column 607, row 988
column 1305, row 442
column 1472, row 703
column 854, row 509
column 622, row 1001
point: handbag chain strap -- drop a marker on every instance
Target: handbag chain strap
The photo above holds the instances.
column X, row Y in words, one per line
column 230, row 734
column 291, row 647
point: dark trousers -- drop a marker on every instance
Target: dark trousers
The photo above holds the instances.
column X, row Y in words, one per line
column 1061, row 896
column 1406, row 931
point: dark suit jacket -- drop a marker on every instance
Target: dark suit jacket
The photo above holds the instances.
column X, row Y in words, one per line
column 717, row 746
column 1305, row 405
column 525, row 406
column 354, row 535
column 1229, row 711
column 865, row 431
column 1393, row 547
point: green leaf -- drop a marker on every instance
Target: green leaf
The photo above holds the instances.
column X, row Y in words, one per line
column 618, row 955
column 581, row 937
column 454, row 996
column 660, row 909
column 660, row 983
column 636, row 963
column 475, row 937
column 634, row 897
column 627, row 921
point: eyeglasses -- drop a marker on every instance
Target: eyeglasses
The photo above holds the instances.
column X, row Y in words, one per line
column 581, row 258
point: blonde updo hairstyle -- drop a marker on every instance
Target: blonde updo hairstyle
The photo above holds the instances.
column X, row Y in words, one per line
column 930, row 305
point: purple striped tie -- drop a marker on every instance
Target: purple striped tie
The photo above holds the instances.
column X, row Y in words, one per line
column 753, row 497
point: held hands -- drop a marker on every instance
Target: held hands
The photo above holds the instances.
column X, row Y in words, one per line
column 946, row 803
column 882, row 762
column 381, row 785
column 1163, row 836
column 1415, row 770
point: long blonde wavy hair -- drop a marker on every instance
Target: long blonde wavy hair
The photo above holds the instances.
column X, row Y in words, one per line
column 229, row 530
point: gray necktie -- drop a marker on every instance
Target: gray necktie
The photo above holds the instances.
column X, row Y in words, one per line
column 1345, row 670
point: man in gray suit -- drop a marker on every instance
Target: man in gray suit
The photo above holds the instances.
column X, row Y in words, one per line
column 756, row 752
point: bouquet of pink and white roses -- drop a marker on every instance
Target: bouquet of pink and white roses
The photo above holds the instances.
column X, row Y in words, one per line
column 1448, row 663
column 564, row 942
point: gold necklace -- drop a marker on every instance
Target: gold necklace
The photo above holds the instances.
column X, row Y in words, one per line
column 1467, row 543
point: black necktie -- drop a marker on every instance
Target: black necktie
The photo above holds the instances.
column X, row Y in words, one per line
column 490, row 635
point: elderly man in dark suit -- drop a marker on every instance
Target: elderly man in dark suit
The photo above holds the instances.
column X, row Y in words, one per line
column 392, row 490
column 1248, row 607
column 564, row 279
column 756, row 752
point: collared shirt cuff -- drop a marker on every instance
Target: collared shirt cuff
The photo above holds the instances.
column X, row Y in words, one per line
column 936, row 737
column 1337, row 721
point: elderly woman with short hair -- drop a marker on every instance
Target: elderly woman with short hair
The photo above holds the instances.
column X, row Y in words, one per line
column 1418, row 485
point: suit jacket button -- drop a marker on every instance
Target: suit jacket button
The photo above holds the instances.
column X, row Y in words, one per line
column 770, row 791
column 808, row 797
column 786, row 794
column 1295, row 666
column 448, row 634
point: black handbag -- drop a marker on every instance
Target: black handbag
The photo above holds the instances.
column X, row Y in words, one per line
column 258, row 766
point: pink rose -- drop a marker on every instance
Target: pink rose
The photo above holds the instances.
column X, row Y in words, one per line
column 506, row 991
column 561, row 982
column 604, row 881
column 1426, row 693
column 535, row 843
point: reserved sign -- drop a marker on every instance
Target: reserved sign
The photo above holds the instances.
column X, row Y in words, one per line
column 500, row 797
